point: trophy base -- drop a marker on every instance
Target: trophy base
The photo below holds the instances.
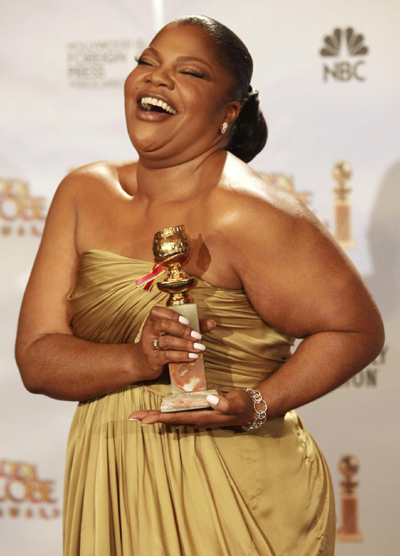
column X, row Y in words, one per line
column 347, row 243
column 187, row 401
column 343, row 536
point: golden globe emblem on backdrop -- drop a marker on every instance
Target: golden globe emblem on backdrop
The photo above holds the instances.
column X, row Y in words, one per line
column 172, row 249
column 349, row 531
column 342, row 172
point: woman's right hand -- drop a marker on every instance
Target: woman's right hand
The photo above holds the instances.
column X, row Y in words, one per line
column 176, row 341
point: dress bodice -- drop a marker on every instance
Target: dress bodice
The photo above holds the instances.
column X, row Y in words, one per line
column 107, row 306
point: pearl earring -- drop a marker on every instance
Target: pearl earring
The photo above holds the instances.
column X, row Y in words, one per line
column 223, row 129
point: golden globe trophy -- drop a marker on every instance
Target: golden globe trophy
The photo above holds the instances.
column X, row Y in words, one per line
column 172, row 249
column 342, row 172
column 349, row 531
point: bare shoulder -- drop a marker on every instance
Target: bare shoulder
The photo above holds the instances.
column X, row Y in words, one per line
column 253, row 203
column 101, row 178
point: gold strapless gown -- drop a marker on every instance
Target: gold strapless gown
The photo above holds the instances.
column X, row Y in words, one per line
column 156, row 491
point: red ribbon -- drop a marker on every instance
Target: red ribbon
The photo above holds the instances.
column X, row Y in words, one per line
column 147, row 280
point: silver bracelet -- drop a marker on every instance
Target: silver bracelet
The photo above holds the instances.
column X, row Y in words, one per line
column 257, row 398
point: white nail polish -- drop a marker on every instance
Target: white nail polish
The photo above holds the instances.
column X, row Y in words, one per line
column 193, row 355
column 131, row 419
column 212, row 399
column 202, row 347
column 146, row 424
column 195, row 334
column 183, row 320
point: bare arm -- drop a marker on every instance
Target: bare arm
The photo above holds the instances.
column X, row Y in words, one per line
column 51, row 360
column 54, row 362
column 307, row 288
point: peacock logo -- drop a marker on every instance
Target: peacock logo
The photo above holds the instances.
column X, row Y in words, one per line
column 344, row 42
column 344, row 37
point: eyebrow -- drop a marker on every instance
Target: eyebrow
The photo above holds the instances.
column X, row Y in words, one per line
column 182, row 58
column 191, row 59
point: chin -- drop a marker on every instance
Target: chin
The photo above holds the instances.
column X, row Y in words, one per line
column 145, row 142
column 150, row 143
column 148, row 148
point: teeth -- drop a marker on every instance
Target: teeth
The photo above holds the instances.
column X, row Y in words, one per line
column 146, row 101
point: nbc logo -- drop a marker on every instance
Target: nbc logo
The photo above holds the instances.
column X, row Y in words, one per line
column 344, row 41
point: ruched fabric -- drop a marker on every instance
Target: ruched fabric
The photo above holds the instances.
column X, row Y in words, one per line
column 157, row 491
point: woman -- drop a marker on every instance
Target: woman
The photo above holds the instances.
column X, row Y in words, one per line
column 268, row 272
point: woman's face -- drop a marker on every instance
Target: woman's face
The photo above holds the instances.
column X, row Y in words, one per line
column 180, row 73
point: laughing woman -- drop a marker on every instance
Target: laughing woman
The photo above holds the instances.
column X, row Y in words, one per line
column 200, row 483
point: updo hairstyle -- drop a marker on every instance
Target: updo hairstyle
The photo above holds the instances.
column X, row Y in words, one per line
column 249, row 132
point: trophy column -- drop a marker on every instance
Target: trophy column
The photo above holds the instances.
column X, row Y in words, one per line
column 172, row 249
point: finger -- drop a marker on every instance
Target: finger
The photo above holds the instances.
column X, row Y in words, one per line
column 158, row 312
column 198, row 419
column 175, row 328
column 206, row 325
column 173, row 342
column 139, row 415
column 229, row 405
column 164, row 356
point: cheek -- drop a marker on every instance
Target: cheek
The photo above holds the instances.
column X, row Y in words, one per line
column 202, row 104
column 130, row 85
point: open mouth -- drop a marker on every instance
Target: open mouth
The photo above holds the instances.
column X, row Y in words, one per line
column 151, row 104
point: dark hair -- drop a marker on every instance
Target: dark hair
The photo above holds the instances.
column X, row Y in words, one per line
column 249, row 132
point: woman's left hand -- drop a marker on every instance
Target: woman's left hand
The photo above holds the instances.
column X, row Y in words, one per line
column 233, row 410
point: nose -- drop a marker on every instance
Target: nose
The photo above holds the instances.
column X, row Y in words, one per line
column 159, row 78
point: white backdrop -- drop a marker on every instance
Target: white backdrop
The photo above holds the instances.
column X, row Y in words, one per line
column 62, row 70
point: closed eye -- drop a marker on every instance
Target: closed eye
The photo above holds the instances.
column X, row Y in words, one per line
column 140, row 61
column 195, row 73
